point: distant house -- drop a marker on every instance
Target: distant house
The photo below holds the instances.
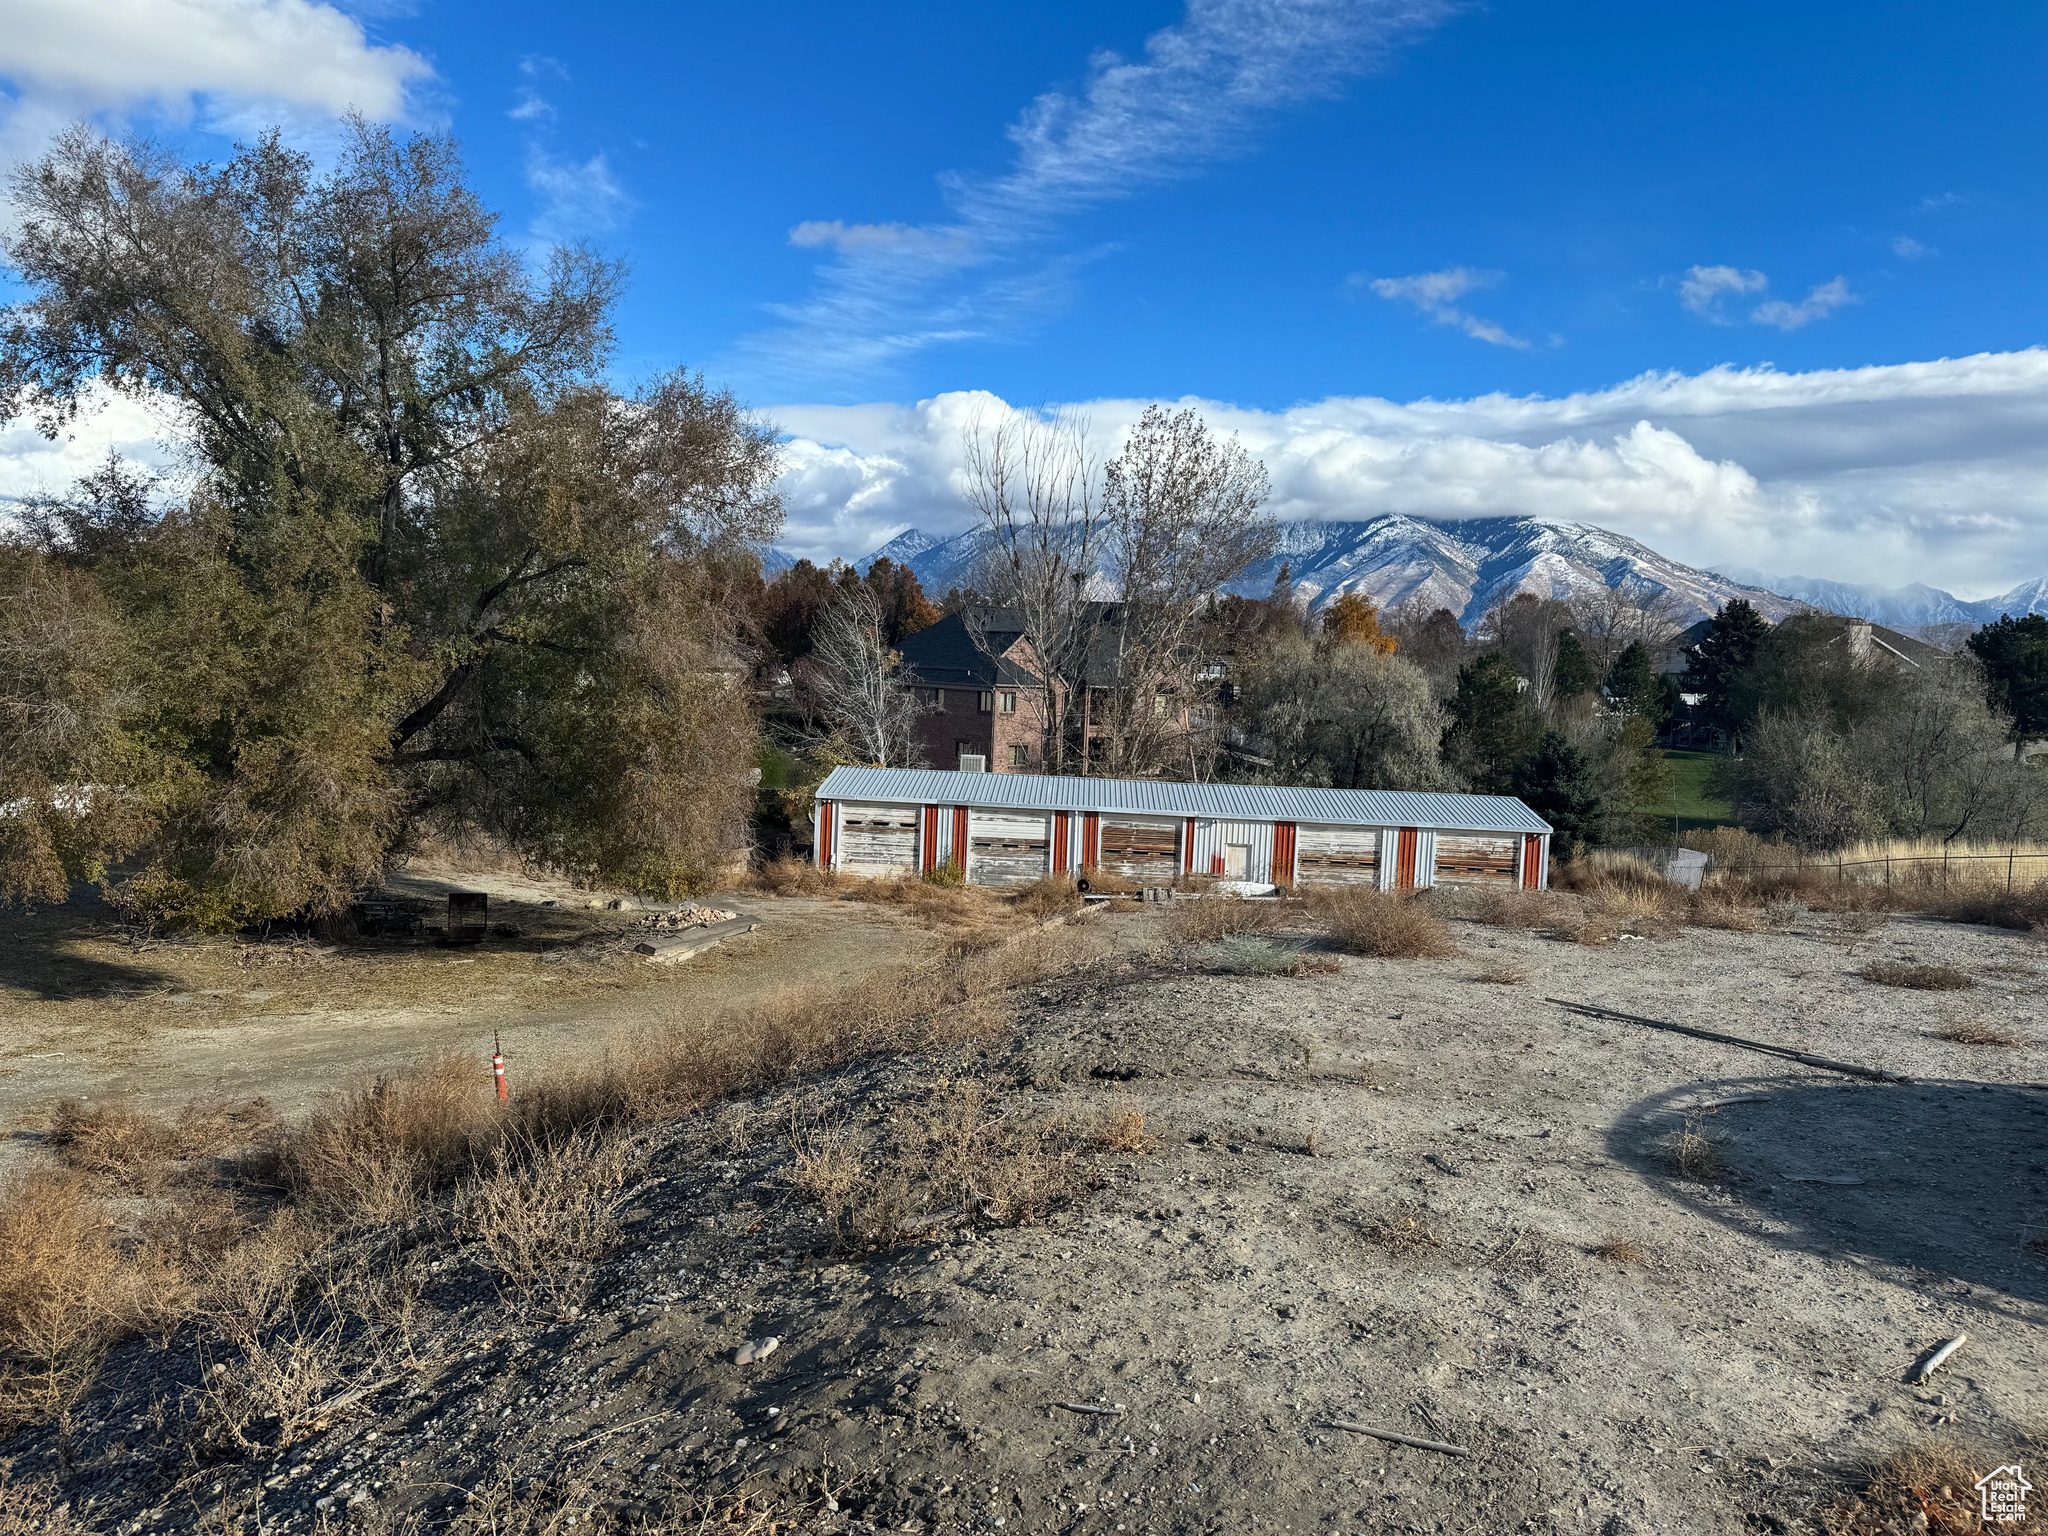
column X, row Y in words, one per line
column 984, row 705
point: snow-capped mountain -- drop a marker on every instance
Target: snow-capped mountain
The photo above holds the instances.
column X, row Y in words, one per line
column 1465, row 566
column 1910, row 607
column 904, row 549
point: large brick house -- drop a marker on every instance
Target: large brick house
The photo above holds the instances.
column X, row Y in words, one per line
column 983, row 707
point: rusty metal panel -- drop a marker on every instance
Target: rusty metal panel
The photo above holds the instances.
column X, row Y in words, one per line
column 878, row 839
column 1475, row 857
column 1008, row 849
column 1337, row 855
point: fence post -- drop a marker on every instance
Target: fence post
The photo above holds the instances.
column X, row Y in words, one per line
column 2009, row 853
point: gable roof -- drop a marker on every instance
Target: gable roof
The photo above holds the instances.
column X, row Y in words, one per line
column 1161, row 797
column 944, row 654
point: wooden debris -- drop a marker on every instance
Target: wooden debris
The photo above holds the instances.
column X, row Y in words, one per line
column 1876, row 1074
column 1443, row 1446
column 1939, row 1358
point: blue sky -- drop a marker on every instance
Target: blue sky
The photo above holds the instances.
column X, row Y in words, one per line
column 1259, row 203
column 1586, row 157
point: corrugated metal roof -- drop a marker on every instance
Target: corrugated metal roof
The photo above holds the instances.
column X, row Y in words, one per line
column 1160, row 797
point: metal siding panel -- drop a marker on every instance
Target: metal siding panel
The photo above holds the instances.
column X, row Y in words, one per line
column 1339, row 855
column 1006, row 848
column 1284, row 853
column 1245, row 802
column 1468, row 858
column 1425, row 859
column 1146, row 849
column 877, row 839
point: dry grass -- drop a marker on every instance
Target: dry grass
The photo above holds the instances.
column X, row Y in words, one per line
column 33, row 1506
column 67, row 1292
column 946, row 1160
column 1970, row 1032
column 1619, row 1250
column 1404, row 1235
column 1929, row 1488
column 1219, row 915
column 1696, row 1155
column 136, row 1152
column 1047, row 896
column 1502, row 973
column 1249, row 955
column 2025, row 910
column 1919, row 978
column 1121, row 1128
column 1383, row 924
column 1500, row 905
column 1621, row 896
column 544, row 1215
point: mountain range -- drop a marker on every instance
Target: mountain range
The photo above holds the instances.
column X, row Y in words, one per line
column 1916, row 606
column 1469, row 565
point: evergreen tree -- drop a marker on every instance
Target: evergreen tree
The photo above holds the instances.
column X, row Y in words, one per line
column 1492, row 728
column 1719, row 662
column 2014, row 654
column 1557, row 782
column 1572, row 674
column 1635, row 687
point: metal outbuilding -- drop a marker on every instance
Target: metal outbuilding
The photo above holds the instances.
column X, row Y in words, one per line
column 1009, row 829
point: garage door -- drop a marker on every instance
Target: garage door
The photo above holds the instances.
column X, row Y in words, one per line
column 1338, row 855
column 1470, row 856
column 1142, row 848
column 1007, row 850
column 878, row 840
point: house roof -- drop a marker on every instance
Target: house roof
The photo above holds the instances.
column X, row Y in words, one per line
column 944, row 654
column 1160, row 797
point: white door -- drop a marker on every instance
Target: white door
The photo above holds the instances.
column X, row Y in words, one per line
column 1237, row 859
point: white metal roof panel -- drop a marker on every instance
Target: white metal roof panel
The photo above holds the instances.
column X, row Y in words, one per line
column 1161, row 797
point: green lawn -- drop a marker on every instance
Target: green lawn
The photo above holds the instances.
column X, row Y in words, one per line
column 1689, row 800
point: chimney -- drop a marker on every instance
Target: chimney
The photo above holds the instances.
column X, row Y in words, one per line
column 1859, row 640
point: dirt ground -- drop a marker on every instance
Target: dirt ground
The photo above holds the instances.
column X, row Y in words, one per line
column 90, row 1010
column 1396, row 1194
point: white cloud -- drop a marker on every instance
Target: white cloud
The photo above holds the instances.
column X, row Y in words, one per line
column 1701, row 288
column 1932, row 471
column 1197, row 93
column 1820, row 302
column 221, row 61
column 1906, row 248
column 141, row 431
column 1436, row 295
column 578, row 199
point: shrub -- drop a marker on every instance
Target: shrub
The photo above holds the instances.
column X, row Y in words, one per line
column 2025, row 910
column 1928, row 1488
column 1386, row 925
column 1619, row 1250
column 1047, row 896
column 1921, row 978
column 1970, row 1032
column 66, row 1292
column 1217, row 916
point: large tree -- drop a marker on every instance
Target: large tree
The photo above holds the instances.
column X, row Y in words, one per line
column 426, row 566
column 1343, row 713
column 1493, row 727
column 1184, row 515
column 2014, row 654
column 1718, row 664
